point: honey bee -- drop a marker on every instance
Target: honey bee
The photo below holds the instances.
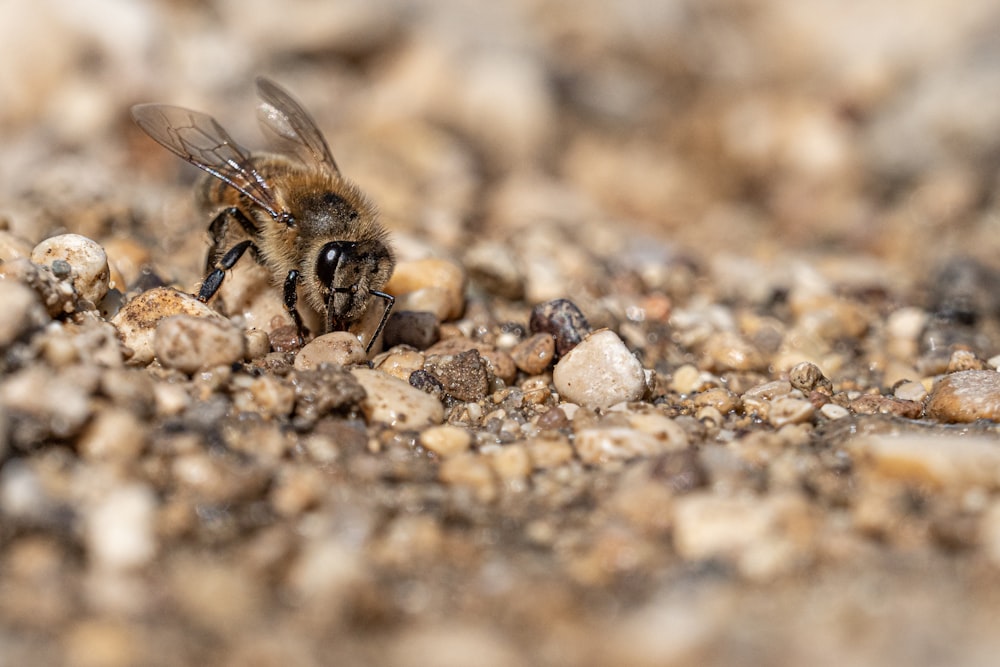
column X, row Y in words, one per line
column 294, row 212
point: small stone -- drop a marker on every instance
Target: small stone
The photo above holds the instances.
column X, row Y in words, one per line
column 446, row 440
column 549, row 450
column 138, row 319
column 729, row 351
column 763, row 537
column 265, row 395
column 119, row 529
column 874, row 404
column 688, row 379
column 258, row 344
column 834, row 411
column 464, row 376
column 534, row 354
column 87, row 258
column 661, row 427
column 511, row 462
column 41, row 404
column 939, row 460
column 599, row 445
column 721, row 399
column 434, row 285
column 599, row 372
column 415, row 328
column 965, row 360
column 472, row 471
column 910, row 391
column 400, row 362
column 807, row 377
column 326, row 390
column 391, row 401
column 340, row 348
column 563, row 320
column 190, row 344
column 498, row 361
column 22, row 309
column 495, row 267
column 113, row 435
column 790, row 410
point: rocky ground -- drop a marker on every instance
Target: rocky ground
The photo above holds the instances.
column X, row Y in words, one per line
column 693, row 360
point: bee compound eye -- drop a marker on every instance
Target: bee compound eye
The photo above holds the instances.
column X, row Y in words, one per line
column 330, row 257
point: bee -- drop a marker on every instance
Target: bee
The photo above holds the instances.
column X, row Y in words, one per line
column 294, row 212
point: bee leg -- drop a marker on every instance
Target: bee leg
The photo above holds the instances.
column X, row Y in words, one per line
column 291, row 298
column 389, row 300
column 213, row 280
column 218, row 227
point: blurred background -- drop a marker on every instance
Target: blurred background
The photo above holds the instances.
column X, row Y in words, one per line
column 752, row 127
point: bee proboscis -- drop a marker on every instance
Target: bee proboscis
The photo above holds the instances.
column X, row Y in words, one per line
column 295, row 213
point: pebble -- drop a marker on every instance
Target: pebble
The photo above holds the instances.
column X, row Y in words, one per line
column 464, row 376
column 549, row 450
column 495, row 267
column 44, row 403
column 87, row 258
column 910, row 391
column 599, row 372
column 446, row 440
column 340, row 348
column 757, row 400
column 511, row 462
column 472, row 471
column 807, row 377
column 688, row 379
column 258, row 344
column 432, row 285
column 190, row 344
column 534, row 354
column 391, row 401
column 718, row 398
column 500, row 363
column 113, row 435
column 23, row 311
column 940, row 460
column 874, row 404
column 325, row 390
column 728, row 351
column 265, row 395
column 120, row 528
column 763, row 537
column 400, row 362
column 137, row 321
column 790, row 410
column 600, row 445
column 562, row 320
column 834, row 411
column 415, row 328
column 661, row 427
column 965, row 397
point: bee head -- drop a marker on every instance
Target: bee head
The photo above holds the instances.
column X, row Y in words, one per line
column 348, row 271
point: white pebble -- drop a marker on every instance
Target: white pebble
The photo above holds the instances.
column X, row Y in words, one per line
column 339, row 348
column 599, row 372
column 190, row 344
column 910, row 391
column 834, row 411
column 120, row 531
column 446, row 440
column 601, row 445
column 87, row 259
column 790, row 410
column 391, row 401
column 22, row 311
column 137, row 320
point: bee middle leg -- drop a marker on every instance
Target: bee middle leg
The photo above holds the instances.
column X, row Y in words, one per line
column 213, row 280
column 291, row 301
column 218, row 228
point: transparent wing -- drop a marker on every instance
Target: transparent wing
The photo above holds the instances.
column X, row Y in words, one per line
column 284, row 120
column 199, row 139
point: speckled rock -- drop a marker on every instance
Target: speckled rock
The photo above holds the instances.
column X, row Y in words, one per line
column 561, row 319
column 138, row 319
column 965, row 397
column 87, row 259
column 534, row 354
column 391, row 401
column 464, row 376
column 340, row 348
column 190, row 344
column 599, row 372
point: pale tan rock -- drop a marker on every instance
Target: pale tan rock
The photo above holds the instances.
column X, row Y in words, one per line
column 394, row 402
column 599, row 372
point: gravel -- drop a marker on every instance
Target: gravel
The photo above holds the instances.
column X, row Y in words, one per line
column 693, row 358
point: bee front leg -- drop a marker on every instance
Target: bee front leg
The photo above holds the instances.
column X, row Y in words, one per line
column 213, row 280
column 291, row 299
